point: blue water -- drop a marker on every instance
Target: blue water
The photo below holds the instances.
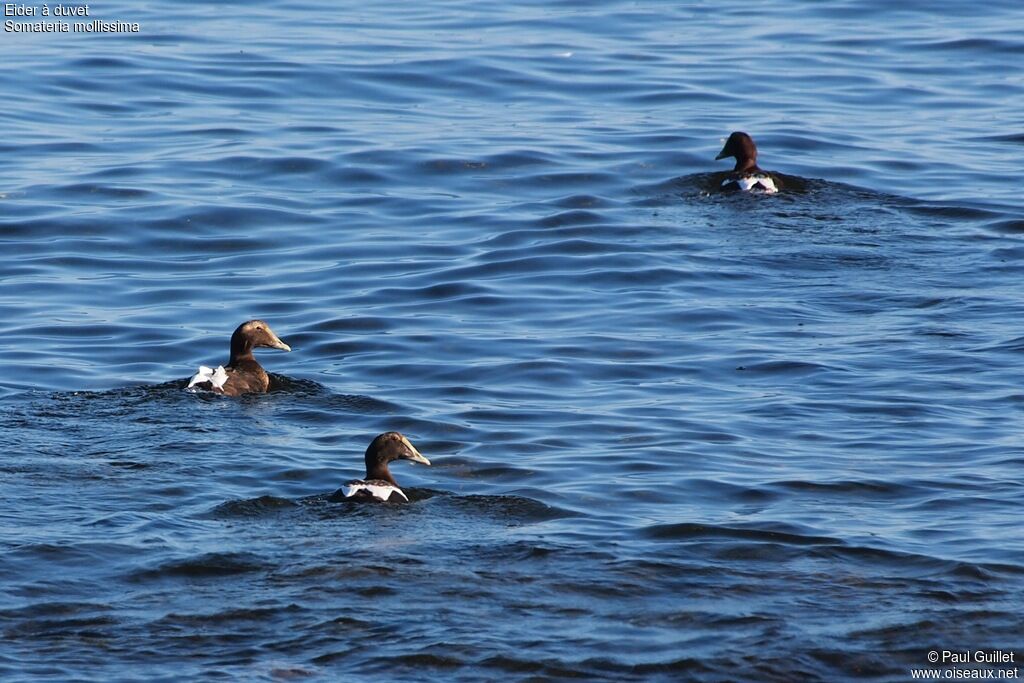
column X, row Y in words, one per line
column 675, row 436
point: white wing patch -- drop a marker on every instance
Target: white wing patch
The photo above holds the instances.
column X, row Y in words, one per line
column 215, row 377
column 757, row 183
column 379, row 490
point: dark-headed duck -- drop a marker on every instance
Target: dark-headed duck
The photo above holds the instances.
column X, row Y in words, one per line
column 746, row 176
column 242, row 374
column 379, row 484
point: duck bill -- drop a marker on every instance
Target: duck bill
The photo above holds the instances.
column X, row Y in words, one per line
column 413, row 454
column 721, row 155
column 276, row 343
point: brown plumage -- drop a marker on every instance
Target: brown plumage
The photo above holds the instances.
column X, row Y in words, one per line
column 244, row 374
column 379, row 484
column 746, row 175
column 741, row 146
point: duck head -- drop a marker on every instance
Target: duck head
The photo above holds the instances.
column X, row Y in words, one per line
column 251, row 335
column 742, row 147
column 386, row 448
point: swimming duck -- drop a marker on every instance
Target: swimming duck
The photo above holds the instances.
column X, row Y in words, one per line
column 379, row 484
column 746, row 176
column 242, row 374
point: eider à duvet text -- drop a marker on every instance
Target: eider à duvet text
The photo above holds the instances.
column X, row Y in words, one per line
column 379, row 484
column 746, row 176
column 242, row 374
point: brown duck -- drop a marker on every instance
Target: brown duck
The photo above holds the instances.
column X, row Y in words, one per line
column 242, row 374
column 746, row 176
column 379, row 484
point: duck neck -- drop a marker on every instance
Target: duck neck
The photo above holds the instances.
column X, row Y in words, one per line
column 380, row 471
column 746, row 165
column 241, row 350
